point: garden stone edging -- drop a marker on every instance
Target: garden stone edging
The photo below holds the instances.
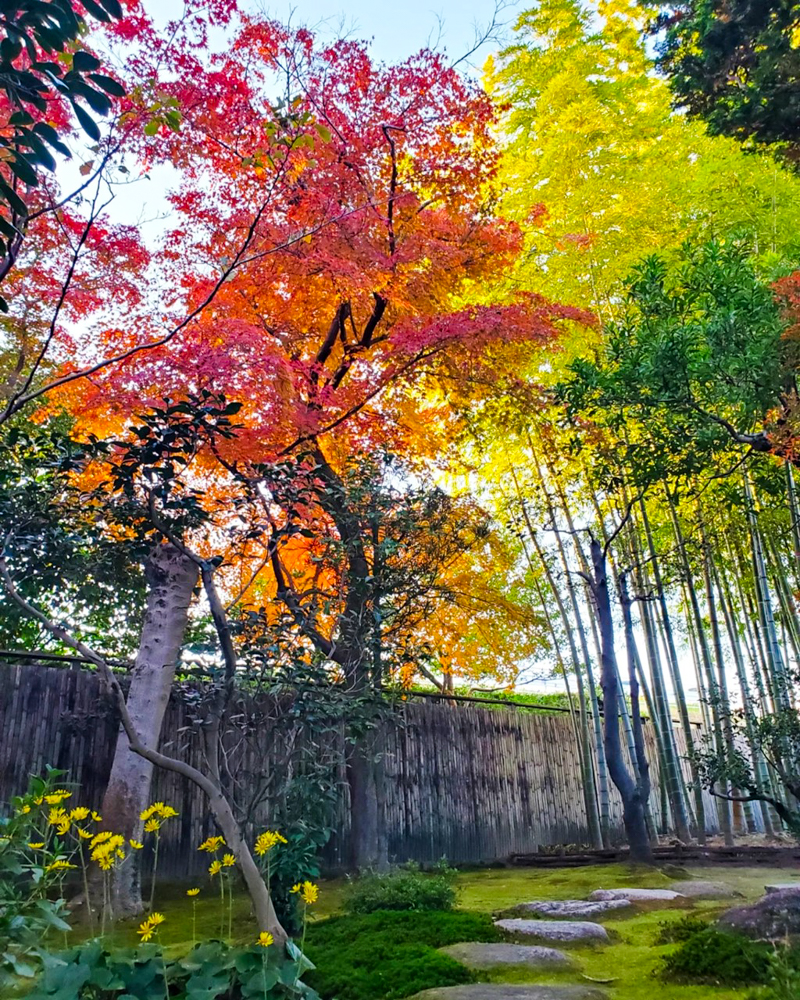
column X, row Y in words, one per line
column 565, row 931
column 503, row 991
column 573, row 909
column 478, row 955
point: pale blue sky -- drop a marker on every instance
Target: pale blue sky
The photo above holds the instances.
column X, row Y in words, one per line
column 401, row 28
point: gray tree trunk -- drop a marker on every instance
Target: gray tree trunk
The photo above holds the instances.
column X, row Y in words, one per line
column 171, row 578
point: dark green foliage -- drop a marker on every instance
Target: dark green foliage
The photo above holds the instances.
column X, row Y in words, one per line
column 212, row 969
column 776, row 736
column 717, row 956
column 385, row 956
column 34, row 38
column 33, row 909
column 697, row 361
column 736, row 64
column 403, row 888
column 678, row 931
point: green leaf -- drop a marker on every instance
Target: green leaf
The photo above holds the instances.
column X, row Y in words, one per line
column 85, row 62
column 13, row 199
column 152, row 126
column 87, row 123
column 108, row 84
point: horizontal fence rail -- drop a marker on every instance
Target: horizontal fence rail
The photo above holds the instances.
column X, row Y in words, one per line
column 460, row 781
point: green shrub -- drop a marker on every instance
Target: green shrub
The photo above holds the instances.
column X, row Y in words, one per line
column 678, row 931
column 386, row 956
column 716, row 956
column 403, row 888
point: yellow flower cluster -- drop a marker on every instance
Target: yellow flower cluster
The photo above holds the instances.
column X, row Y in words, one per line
column 267, row 840
column 59, row 818
column 212, row 844
column 148, row 927
column 59, row 865
column 155, row 814
column 308, row 892
column 265, row 939
column 192, row 892
column 107, row 849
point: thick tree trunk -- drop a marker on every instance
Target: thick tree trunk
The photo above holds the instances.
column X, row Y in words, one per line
column 171, row 578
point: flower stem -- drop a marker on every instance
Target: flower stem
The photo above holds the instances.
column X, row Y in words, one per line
column 155, row 869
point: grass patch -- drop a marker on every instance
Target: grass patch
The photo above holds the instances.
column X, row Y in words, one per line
column 388, row 955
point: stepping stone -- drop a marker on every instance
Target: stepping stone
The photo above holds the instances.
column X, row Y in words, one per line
column 699, row 889
column 488, row 956
column 782, row 887
column 567, row 931
column 503, row 991
column 574, row 909
column 639, row 895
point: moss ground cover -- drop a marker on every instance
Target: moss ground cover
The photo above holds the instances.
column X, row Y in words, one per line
column 633, row 959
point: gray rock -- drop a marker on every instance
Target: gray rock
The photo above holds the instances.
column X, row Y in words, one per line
column 773, row 916
column 574, row 909
column 501, row 991
column 699, row 889
column 487, row 956
column 566, row 931
column 783, row 887
column 639, row 895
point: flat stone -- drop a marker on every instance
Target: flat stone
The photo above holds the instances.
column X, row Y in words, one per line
column 487, row 956
column 639, row 895
column 503, row 991
column 568, row 931
column 574, row 909
column 700, row 889
column 783, row 887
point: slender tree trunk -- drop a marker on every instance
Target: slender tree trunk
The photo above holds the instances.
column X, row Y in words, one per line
column 630, row 791
column 723, row 806
column 675, row 674
column 587, row 763
column 673, row 776
column 172, row 577
column 722, row 680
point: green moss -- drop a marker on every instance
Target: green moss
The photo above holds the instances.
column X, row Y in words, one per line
column 387, row 955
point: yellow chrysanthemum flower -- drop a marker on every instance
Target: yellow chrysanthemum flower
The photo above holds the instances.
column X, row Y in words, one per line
column 63, row 828
column 192, row 892
column 265, row 939
column 57, row 797
column 137, row 845
column 97, row 817
column 228, row 860
column 212, row 844
column 156, row 919
column 79, row 813
column 84, row 834
column 267, row 840
column 215, row 868
column 99, row 838
column 25, row 809
column 152, row 826
column 309, row 892
column 37, row 846
column 58, row 865
column 57, row 816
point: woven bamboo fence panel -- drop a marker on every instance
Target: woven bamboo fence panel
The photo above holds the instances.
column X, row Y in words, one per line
column 463, row 782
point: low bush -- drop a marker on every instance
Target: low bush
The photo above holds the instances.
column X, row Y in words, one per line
column 403, row 888
column 386, row 955
column 678, row 931
column 716, row 956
